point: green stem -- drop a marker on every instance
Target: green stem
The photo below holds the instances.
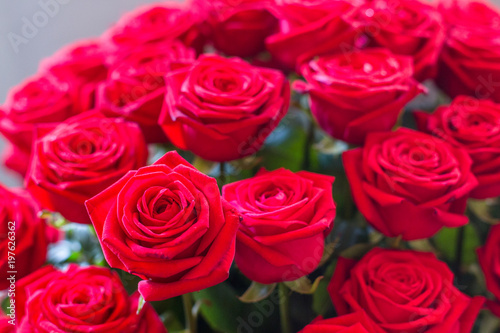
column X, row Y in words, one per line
column 284, row 293
column 306, row 163
column 222, row 171
column 459, row 251
column 191, row 324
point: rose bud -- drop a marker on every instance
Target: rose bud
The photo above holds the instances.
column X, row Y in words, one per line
column 223, row 103
column 79, row 158
column 135, row 88
column 167, row 224
column 158, row 23
column 311, row 28
column 82, row 66
column 24, row 236
column 403, row 291
column 37, row 100
column 489, row 259
column 410, row 184
column 406, row 27
column 473, row 125
column 286, row 217
column 363, row 93
column 469, row 60
column 239, row 28
column 89, row 299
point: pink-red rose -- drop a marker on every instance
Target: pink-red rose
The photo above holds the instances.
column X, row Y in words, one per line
column 356, row 322
column 222, row 109
column 355, row 94
column 81, row 300
column 489, row 259
column 135, row 88
column 77, row 159
column 167, row 224
column 286, row 217
column 403, row 291
column 410, row 184
column 406, row 27
column 82, row 66
column 239, row 28
column 24, row 236
column 158, row 23
column 473, row 125
column 35, row 101
column 470, row 59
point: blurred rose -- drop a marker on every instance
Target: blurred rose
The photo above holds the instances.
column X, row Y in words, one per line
column 403, row 291
column 79, row 158
column 410, row 184
column 81, row 300
column 351, row 96
column 475, row 126
column 489, row 259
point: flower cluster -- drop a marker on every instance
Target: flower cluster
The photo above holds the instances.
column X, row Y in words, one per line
column 215, row 146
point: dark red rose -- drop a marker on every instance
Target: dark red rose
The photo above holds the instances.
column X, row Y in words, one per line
column 79, row 158
column 351, row 96
column 309, row 28
column 410, row 184
column 239, row 28
column 35, row 101
column 475, row 126
column 135, row 88
column 167, row 224
column 22, row 233
column 90, row 299
column 469, row 62
column 489, row 259
column 356, row 322
column 406, row 27
column 158, row 23
column 403, row 291
column 286, row 217
column 222, row 109
column 82, row 66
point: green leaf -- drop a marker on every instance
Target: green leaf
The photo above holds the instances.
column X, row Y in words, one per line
column 257, row 292
column 321, row 299
column 203, row 165
column 303, row 285
column 140, row 304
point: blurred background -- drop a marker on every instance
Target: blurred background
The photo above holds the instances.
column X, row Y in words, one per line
column 68, row 21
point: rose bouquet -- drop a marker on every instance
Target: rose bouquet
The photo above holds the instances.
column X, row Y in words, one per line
column 259, row 166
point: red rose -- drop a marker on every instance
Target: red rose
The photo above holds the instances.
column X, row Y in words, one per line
column 351, row 96
column 489, row 259
column 286, row 217
column 475, row 126
column 82, row 66
column 409, row 183
column 356, row 322
column 239, row 28
column 79, row 158
column 309, row 28
column 135, row 88
column 471, row 54
column 406, row 27
column 90, row 299
column 23, row 234
column 403, row 291
column 167, row 224
column 158, row 23
column 222, row 109
column 37, row 100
